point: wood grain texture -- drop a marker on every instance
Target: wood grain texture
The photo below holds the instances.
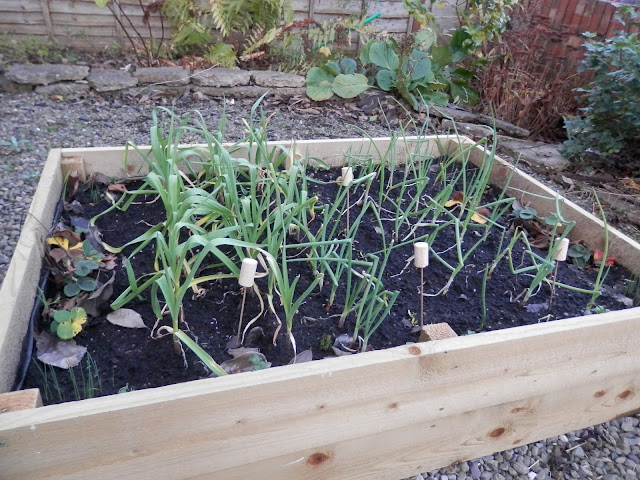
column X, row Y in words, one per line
column 384, row 414
column 436, row 331
column 20, row 400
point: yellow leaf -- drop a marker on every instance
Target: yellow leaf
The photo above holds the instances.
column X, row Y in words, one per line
column 478, row 218
column 59, row 241
column 324, row 51
column 451, row 203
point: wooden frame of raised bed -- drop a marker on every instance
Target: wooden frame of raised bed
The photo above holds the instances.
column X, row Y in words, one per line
column 383, row 414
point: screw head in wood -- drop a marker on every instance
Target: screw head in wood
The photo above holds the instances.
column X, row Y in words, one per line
column 421, row 254
column 247, row 272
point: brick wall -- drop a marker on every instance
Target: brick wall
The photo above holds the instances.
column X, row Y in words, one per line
column 561, row 24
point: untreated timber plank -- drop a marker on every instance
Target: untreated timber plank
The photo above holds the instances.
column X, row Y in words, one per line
column 18, row 290
column 488, row 392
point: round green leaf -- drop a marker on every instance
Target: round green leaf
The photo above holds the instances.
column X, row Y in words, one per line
column 319, row 84
column 350, row 86
column 87, row 284
column 383, row 55
column 348, row 65
column 71, row 289
column 422, row 71
column 386, row 79
column 65, row 331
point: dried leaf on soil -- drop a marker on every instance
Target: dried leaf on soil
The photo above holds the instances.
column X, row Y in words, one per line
column 247, row 362
column 302, row 357
column 59, row 353
column 125, row 317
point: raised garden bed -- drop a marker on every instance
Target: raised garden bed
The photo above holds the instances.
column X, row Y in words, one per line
column 381, row 414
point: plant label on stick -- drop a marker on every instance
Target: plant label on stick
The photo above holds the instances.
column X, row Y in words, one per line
column 421, row 254
column 247, row 272
column 347, row 176
column 245, row 279
column 421, row 260
column 559, row 255
column 560, row 252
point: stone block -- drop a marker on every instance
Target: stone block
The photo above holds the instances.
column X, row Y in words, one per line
column 63, row 88
column 249, row 91
column 169, row 76
column 46, row 73
column 268, row 78
column 111, row 80
column 220, row 77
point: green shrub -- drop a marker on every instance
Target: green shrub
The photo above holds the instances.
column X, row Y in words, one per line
column 611, row 118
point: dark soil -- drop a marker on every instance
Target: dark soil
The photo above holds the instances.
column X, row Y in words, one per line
column 131, row 358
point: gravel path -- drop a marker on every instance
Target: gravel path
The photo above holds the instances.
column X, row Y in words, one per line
column 609, row 451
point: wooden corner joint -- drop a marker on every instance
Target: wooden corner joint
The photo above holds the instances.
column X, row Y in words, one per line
column 436, row 331
column 20, row 400
column 72, row 164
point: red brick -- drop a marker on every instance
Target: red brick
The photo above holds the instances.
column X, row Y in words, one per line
column 568, row 14
column 596, row 16
column 587, row 16
column 558, row 18
column 603, row 27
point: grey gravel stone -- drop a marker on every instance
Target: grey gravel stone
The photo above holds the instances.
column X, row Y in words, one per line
column 110, row 80
column 221, row 77
column 46, row 73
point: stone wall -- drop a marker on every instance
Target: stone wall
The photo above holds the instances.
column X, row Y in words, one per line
column 49, row 79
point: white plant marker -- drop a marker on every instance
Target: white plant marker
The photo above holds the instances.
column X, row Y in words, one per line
column 421, row 261
column 347, row 178
column 246, row 278
column 559, row 255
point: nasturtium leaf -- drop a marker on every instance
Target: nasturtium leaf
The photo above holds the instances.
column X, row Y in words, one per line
column 101, row 3
column 319, row 84
column 386, row 79
column 349, row 86
column 383, row 55
column 125, row 317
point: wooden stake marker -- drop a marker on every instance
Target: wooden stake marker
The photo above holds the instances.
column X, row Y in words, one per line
column 436, row 331
column 347, row 178
column 421, row 261
column 246, row 278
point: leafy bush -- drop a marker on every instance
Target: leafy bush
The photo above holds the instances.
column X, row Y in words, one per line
column 612, row 114
column 417, row 70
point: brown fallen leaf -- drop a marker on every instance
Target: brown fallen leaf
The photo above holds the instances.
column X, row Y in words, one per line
column 117, row 187
column 456, row 199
